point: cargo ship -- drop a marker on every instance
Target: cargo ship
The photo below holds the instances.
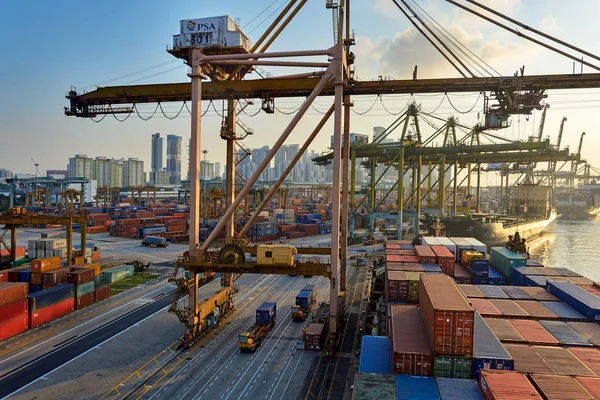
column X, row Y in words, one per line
column 530, row 213
column 578, row 205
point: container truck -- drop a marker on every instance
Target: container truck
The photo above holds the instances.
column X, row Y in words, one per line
column 249, row 341
column 154, row 241
column 305, row 300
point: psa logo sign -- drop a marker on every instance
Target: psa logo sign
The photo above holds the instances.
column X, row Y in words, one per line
column 193, row 26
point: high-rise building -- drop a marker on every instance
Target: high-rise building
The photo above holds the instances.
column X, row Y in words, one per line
column 156, row 164
column 174, row 159
column 207, row 170
column 133, row 173
column 81, row 166
column 377, row 132
column 53, row 173
column 102, row 171
column 217, row 169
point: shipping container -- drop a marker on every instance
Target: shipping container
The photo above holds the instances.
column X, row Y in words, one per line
column 589, row 356
column 117, row 274
column 411, row 353
column 375, row 355
column 506, row 385
column 431, row 268
column 566, row 272
column 396, row 286
column 51, row 312
column 55, row 277
column 527, row 359
column 516, row 293
column 416, row 388
column 13, row 326
column 534, row 332
column 413, row 286
column 461, row 275
column 461, row 245
column 45, row 264
column 518, row 274
column 589, row 330
column 509, row 308
column 95, row 267
column 314, row 337
column 3, row 276
column 458, row 389
column 495, row 277
column 84, row 289
column 84, row 300
column 504, row 260
column 51, row 296
column 488, row 352
column 492, row 292
column 505, row 331
column 445, row 259
column 452, row 367
column 564, row 311
column 535, row 281
column 12, row 291
column 426, row 255
column 537, row 310
column 471, row 291
column 578, row 298
column 447, row 314
column 13, row 310
column 485, row 308
column 374, row 387
column 565, row 334
column 266, row 313
column 562, row 361
column 559, row 387
column 102, row 293
column 80, row 276
column 592, row 384
column 539, row 294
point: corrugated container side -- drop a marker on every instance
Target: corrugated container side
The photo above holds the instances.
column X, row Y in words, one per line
column 314, row 337
column 12, row 291
column 51, row 312
column 590, row 357
column 411, row 353
column 578, row 298
column 416, row 388
column 589, row 330
column 488, row 352
column 562, row 361
column 447, row 314
column 84, row 301
column 375, row 355
column 506, row 385
column 504, row 260
column 55, row 277
column 504, row 330
column 564, row 311
column 591, row 384
column 565, row 334
column 80, row 276
column 560, row 387
column 458, row 389
column 527, row 359
column 84, row 289
column 102, row 293
column 13, row 326
column 13, row 310
column 50, row 296
column 533, row 332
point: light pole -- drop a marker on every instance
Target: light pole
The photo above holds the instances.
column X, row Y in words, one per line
column 204, row 206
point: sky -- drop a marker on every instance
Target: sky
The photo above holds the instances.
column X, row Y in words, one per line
column 48, row 47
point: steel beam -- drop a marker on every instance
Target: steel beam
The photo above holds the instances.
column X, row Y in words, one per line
column 400, row 192
column 251, row 268
column 344, row 195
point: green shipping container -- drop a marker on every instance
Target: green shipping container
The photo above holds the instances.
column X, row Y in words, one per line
column 452, row 367
column 504, row 260
column 117, row 274
column 85, row 288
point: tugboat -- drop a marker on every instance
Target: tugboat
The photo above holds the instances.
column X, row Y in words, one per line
column 517, row 245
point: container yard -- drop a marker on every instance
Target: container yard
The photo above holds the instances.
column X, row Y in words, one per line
column 431, row 260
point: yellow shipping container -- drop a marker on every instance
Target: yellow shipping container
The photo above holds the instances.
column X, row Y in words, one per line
column 276, row 255
column 45, row 264
column 36, row 278
column 95, row 267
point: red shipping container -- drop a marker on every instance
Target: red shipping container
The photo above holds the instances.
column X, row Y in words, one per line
column 84, row 301
column 392, row 246
column 506, row 385
column 12, row 291
column 394, row 266
column 407, row 253
column 409, row 259
column 591, row 384
column 19, row 252
column 448, row 316
column 13, row 326
column 392, row 258
column 13, row 310
column 460, row 274
column 102, row 293
column 560, row 387
column 52, row 312
column 313, row 338
column 411, row 353
column 396, row 286
column 425, row 254
column 413, row 267
column 445, row 259
column 79, row 276
column 485, row 308
column 534, row 332
column 13, row 273
column 3, row 276
column 395, row 252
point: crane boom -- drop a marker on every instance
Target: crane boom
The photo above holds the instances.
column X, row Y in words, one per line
column 560, row 132
column 542, row 123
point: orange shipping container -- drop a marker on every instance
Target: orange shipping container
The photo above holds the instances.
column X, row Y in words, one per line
column 506, row 385
column 45, row 264
column 94, row 267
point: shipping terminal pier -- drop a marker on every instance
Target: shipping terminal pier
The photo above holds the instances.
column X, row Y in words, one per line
column 397, row 266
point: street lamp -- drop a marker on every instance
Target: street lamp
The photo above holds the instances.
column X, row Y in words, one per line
column 204, row 186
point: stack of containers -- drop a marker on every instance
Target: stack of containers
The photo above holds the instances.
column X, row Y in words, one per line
column 54, row 277
column 396, row 288
column 314, row 337
column 49, row 304
column 444, row 258
column 13, row 309
column 38, row 267
column 506, row 385
column 411, row 353
column 117, row 274
column 578, row 298
column 94, row 267
column 83, row 279
column 505, row 260
column 102, row 293
column 480, row 272
column 495, row 277
column 488, row 352
column 426, row 255
column 461, row 275
column 449, row 320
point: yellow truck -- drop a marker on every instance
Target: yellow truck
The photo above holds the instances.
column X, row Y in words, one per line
column 305, row 300
column 249, row 341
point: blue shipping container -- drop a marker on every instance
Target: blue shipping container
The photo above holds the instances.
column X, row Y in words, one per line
column 566, row 335
column 266, row 313
column 488, row 352
column 495, row 277
column 53, row 295
column 459, row 389
column 416, row 388
column 34, row 288
column 535, row 281
column 407, row 247
column 431, row 268
column 304, row 299
column 517, row 275
column 564, row 311
column 25, row 275
column 479, row 280
column 480, row 266
column 492, row 292
column 578, row 298
column 516, row 293
column 375, row 355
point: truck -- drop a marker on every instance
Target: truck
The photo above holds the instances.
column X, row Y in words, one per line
column 154, row 241
column 250, row 340
column 305, row 300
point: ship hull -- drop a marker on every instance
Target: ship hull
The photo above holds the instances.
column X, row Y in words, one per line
column 578, row 212
column 493, row 233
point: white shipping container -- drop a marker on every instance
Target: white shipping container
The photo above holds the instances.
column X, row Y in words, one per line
column 461, row 245
column 54, row 244
column 430, row 241
column 449, row 244
column 237, row 39
column 477, row 245
column 214, row 31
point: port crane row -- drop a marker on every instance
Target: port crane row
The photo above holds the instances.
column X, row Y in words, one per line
column 227, row 66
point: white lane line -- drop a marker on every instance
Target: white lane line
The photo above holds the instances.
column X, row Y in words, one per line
column 81, row 355
column 82, row 324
